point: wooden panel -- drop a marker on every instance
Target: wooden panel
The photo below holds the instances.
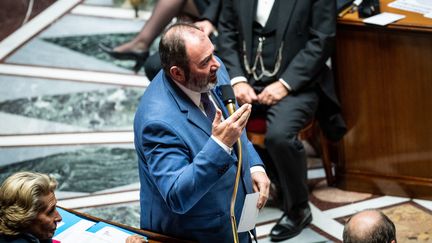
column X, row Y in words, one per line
column 13, row 12
column 384, row 80
column 412, row 21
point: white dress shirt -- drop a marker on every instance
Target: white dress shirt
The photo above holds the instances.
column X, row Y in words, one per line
column 263, row 12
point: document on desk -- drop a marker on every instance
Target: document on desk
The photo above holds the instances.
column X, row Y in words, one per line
column 69, row 234
column 111, row 234
column 80, row 233
column 383, row 18
column 249, row 213
column 418, row 6
column 89, row 237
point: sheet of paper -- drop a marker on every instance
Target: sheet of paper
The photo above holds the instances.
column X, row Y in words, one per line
column 383, row 18
column 86, row 236
column 111, row 234
column 67, row 236
column 249, row 213
column 417, row 6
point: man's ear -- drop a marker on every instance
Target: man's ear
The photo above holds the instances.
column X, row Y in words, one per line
column 177, row 74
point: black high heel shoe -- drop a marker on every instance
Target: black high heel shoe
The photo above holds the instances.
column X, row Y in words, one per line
column 139, row 57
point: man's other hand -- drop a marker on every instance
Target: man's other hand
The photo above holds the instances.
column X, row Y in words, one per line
column 244, row 93
column 206, row 26
column 272, row 94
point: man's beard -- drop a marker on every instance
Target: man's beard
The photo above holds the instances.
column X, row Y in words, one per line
column 200, row 86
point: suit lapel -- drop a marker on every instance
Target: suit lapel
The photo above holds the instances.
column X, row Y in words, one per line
column 185, row 104
column 286, row 8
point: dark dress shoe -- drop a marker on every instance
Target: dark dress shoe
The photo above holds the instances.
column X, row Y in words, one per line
column 291, row 224
column 139, row 57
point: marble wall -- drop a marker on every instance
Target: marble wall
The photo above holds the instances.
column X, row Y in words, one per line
column 67, row 106
column 83, row 169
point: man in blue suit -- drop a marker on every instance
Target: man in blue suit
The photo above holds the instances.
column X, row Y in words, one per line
column 187, row 166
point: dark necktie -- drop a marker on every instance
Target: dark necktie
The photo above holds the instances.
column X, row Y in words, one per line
column 208, row 106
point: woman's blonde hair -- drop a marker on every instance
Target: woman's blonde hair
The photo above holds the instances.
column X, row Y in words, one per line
column 21, row 200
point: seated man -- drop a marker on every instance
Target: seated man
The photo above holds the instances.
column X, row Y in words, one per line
column 275, row 53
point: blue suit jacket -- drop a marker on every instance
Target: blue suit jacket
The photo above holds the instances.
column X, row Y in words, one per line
column 186, row 178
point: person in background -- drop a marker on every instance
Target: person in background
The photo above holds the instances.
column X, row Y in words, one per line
column 369, row 226
column 275, row 52
column 28, row 212
column 186, row 155
column 28, row 208
column 204, row 13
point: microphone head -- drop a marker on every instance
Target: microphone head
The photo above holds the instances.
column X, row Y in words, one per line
column 228, row 96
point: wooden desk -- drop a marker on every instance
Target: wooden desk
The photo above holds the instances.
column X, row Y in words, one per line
column 153, row 237
column 384, row 81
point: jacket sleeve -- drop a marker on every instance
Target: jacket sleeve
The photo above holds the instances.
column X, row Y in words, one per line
column 212, row 12
column 181, row 180
column 253, row 157
column 229, row 46
column 310, row 60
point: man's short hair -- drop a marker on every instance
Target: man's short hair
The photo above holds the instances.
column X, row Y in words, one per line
column 21, row 200
column 172, row 48
column 381, row 231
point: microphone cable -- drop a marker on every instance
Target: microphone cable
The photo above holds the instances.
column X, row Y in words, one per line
column 228, row 99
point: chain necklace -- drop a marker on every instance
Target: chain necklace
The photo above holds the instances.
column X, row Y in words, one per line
column 259, row 60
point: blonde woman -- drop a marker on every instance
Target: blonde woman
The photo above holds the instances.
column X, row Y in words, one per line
column 28, row 208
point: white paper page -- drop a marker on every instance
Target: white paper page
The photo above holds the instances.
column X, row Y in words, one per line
column 417, row 6
column 75, row 230
column 112, row 235
column 383, row 18
column 87, row 237
column 249, row 213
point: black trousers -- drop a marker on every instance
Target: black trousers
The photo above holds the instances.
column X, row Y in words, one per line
column 284, row 121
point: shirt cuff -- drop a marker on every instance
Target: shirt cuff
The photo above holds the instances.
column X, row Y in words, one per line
column 257, row 168
column 238, row 79
column 287, row 86
column 226, row 148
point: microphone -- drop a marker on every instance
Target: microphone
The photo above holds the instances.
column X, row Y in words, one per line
column 228, row 98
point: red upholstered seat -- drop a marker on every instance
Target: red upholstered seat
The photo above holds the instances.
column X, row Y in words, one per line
column 256, row 129
column 256, row 125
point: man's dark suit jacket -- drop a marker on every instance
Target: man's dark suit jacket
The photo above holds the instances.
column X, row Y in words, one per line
column 308, row 32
